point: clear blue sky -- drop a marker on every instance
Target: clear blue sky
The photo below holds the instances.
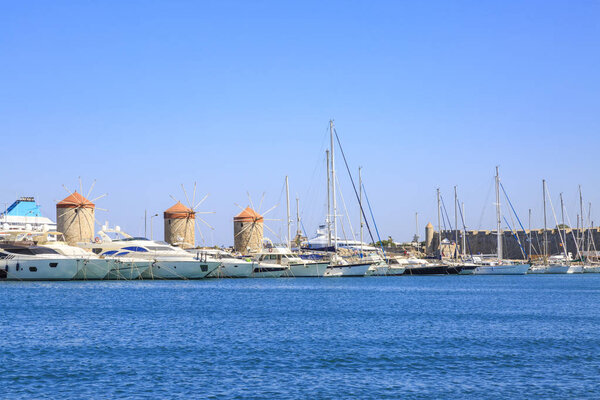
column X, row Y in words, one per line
column 146, row 95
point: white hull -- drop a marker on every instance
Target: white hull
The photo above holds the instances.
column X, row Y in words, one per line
column 93, row 269
column 378, row 269
column 575, row 269
column 269, row 271
column 516, row 269
column 180, row 269
column 45, row 269
column 233, row 269
column 127, row 269
column 396, row 270
column 308, row 270
column 549, row 269
column 591, row 269
column 347, row 270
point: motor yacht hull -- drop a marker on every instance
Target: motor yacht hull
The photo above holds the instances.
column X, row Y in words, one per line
column 396, row 270
column 233, row 269
column 47, row 269
column 349, row 270
column 93, row 269
column 306, row 270
column 269, row 271
column 512, row 269
column 180, row 269
column 380, row 269
column 124, row 269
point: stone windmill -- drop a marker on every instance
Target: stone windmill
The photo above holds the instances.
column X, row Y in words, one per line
column 180, row 221
column 75, row 216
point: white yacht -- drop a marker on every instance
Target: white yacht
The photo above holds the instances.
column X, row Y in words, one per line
column 90, row 266
column 166, row 261
column 231, row 267
column 339, row 267
column 25, row 261
column 294, row 266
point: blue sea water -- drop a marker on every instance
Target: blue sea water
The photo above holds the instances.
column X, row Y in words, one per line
column 381, row 337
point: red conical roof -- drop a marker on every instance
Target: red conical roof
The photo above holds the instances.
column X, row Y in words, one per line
column 75, row 200
column 179, row 211
column 248, row 215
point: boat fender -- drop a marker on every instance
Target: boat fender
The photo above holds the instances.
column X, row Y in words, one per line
column 270, row 250
column 97, row 239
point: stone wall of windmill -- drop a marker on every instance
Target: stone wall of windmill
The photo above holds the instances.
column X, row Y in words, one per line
column 248, row 231
column 75, row 218
column 180, row 225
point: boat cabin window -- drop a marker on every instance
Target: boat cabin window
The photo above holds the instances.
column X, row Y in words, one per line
column 30, row 251
column 135, row 248
column 159, row 248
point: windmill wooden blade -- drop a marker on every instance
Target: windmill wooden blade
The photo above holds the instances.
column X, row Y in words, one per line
column 91, row 188
column 244, row 229
column 186, row 196
column 250, row 199
column 101, row 209
column 238, row 206
column 205, row 223
column 200, row 202
column 270, row 209
column 261, row 202
column 99, row 197
column 200, row 232
column 68, row 191
column 272, row 231
column 80, row 186
column 174, row 199
column 194, row 194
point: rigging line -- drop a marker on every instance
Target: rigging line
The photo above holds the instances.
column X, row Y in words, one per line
column 345, row 209
column 556, row 221
column 449, row 223
column 445, row 212
column 511, row 206
column 573, row 235
column 374, row 223
column 485, row 203
column 462, row 218
column 353, row 185
column 517, row 239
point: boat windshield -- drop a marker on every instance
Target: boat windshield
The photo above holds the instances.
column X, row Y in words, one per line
column 29, row 251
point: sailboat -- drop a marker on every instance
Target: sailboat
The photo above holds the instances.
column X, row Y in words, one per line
column 338, row 266
column 554, row 264
column 500, row 266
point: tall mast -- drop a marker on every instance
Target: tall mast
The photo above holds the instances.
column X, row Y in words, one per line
column 464, row 236
column 580, row 231
column 333, row 202
column 289, row 222
column 455, row 224
column 439, row 224
column 498, row 217
column 328, row 217
column 360, row 208
column 417, row 228
column 563, row 228
column 298, row 230
column 530, row 233
column 545, row 225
